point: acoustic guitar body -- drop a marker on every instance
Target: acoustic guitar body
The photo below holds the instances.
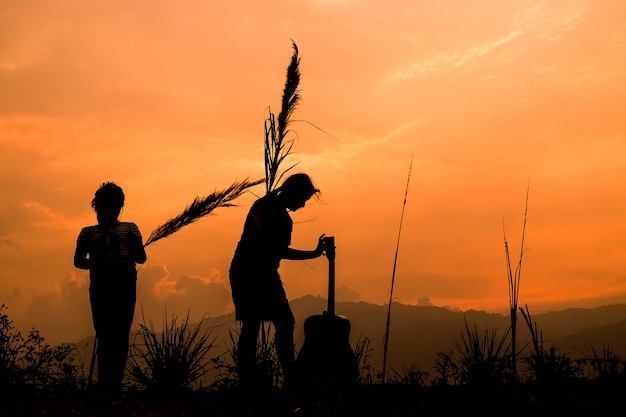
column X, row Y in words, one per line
column 326, row 364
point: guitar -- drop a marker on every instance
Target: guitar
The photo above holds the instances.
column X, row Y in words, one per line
column 326, row 364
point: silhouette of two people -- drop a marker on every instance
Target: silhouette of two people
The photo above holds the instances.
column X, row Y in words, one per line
column 111, row 249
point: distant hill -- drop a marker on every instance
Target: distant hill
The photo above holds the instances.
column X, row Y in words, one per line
column 418, row 333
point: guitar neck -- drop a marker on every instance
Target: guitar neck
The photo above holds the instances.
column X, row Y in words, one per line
column 330, row 254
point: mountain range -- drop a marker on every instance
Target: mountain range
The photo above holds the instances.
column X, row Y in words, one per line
column 418, row 333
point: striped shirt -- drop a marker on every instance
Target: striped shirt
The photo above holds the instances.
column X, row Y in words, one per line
column 119, row 244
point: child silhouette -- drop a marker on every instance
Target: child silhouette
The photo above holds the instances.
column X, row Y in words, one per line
column 110, row 250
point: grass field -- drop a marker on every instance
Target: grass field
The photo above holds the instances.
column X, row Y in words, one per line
column 575, row 398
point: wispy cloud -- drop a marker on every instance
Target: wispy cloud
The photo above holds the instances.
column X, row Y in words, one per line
column 351, row 150
column 551, row 25
column 454, row 59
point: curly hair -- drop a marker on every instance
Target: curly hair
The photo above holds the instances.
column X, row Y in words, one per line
column 109, row 198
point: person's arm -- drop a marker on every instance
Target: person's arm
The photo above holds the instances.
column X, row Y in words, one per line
column 298, row 254
column 137, row 249
column 81, row 259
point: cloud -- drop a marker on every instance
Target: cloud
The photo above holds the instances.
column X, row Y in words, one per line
column 159, row 293
column 9, row 243
column 344, row 293
column 424, row 301
column 452, row 60
column 200, row 295
column 13, row 295
column 63, row 315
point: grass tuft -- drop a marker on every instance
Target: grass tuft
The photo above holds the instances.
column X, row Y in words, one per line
column 171, row 361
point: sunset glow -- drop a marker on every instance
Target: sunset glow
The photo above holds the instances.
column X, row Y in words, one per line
column 168, row 100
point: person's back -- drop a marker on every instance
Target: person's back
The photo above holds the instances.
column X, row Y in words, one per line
column 265, row 237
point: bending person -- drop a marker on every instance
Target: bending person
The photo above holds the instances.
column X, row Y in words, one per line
column 257, row 289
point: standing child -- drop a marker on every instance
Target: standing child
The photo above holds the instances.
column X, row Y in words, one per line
column 110, row 250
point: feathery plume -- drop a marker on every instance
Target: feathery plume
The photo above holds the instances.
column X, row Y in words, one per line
column 276, row 148
column 200, row 207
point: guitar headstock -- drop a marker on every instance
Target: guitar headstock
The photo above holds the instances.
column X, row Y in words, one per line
column 329, row 247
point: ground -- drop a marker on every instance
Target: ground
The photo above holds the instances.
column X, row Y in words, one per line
column 578, row 398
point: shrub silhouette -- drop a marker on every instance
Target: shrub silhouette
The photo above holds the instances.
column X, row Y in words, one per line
column 29, row 362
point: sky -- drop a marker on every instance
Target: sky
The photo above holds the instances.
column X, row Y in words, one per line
column 469, row 109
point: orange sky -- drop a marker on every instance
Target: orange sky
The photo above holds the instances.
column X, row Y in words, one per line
column 169, row 100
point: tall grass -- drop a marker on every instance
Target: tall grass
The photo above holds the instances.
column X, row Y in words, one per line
column 547, row 364
column 483, row 359
column 268, row 372
column 479, row 360
column 173, row 360
column 363, row 353
column 514, row 279
column 277, row 146
column 607, row 366
column 447, row 368
column 409, row 375
column 393, row 279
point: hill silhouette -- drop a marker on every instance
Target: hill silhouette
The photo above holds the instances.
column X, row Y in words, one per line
column 418, row 333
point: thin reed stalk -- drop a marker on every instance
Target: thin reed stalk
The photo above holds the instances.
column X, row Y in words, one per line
column 514, row 279
column 393, row 278
column 200, row 207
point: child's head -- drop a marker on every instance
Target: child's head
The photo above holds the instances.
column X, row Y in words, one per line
column 108, row 202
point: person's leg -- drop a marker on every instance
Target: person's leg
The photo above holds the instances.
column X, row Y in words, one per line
column 112, row 310
column 285, row 347
column 102, row 325
column 246, row 351
column 284, row 342
column 121, row 326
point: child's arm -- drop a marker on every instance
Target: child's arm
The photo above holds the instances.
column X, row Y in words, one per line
column 81, row 255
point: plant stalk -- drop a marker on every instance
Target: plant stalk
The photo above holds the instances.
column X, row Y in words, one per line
column 393, row 277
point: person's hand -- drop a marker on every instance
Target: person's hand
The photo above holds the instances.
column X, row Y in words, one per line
column 319, row 251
